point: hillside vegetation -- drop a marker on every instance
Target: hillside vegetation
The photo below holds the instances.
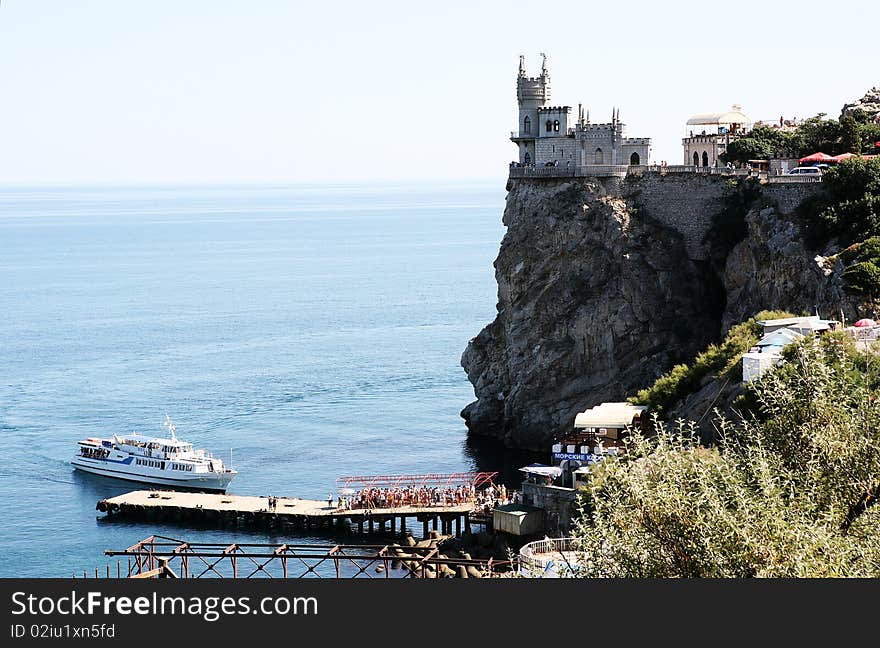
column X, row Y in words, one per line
column 788, row 493
column 717, row 360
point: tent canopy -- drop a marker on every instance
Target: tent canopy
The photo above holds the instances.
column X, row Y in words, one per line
column 816, row 157
column 541, row 469
column 615, row 415
column 779, row 338
column 733, row 116
column 865, row 322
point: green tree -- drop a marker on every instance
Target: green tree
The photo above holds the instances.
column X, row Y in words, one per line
column 851, row 135
column 820, row 134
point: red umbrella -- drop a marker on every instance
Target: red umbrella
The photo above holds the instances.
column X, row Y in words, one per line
column 816, row 157
column 865, row 322
column 843, row 156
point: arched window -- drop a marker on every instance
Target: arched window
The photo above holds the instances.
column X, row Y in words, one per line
column 598, row 157
column 527, row 125
column 696, row 159
column 634, row 159
column 549, row 125
column 705, row 159
column 528, row 158
column 556, row 126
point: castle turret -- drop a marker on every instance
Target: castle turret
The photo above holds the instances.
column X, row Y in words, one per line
column 532, row 93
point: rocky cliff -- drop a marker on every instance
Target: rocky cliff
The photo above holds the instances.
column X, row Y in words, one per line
column 600, row 291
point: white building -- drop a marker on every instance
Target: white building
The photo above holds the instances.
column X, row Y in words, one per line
column 779, row 333
column 710, row 133
column 547, row 134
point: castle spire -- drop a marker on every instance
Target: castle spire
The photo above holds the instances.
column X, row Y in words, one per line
column 522, row 65
column 544, row 70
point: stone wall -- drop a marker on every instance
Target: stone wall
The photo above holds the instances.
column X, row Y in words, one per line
column 685, row 203
column 689, row 203
column 789, row 195
column 561, row 149
column 559, row 506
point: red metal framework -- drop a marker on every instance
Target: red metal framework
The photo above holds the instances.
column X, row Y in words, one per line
column 163, row 557
column 427, row 480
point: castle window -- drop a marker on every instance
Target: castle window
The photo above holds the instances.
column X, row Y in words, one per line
column 634, row 159
column 705, row 159
column 598, row 157
column 528, row 158
column 527, row 125
column 556, row 126
column 696, row 159
column 549, row 125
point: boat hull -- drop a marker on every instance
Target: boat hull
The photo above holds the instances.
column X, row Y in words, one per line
column 213, row 482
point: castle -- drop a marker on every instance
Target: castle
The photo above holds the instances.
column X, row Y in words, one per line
column 545, row 135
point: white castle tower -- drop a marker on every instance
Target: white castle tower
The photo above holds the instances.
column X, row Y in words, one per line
column 532, row 94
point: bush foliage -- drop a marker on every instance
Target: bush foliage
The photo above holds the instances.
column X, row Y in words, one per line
column 717, row 359
column 788, row 495
column 849, row 209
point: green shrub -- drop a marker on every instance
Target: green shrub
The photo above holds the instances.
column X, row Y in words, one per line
column 717, row 359
column 849, row 209
column 729, row 225
column 862, row 278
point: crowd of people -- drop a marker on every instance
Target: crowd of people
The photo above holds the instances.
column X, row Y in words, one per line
column 425, row 497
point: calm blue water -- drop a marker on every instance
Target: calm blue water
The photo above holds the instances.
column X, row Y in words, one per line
column 314, row 331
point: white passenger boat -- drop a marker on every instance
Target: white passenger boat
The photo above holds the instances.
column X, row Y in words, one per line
column 155, row 460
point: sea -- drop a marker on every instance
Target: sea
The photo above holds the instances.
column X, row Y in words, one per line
column 305, row 332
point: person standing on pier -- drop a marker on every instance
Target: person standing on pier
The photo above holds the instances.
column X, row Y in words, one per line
column 330, row 500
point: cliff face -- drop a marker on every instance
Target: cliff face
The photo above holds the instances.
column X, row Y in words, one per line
column 772, row 269
column 600, row 291
column 592, row 299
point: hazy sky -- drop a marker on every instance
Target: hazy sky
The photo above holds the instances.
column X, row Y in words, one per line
column 125, row 91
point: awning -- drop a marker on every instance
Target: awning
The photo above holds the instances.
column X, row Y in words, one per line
column 816, row 157
column 541, row 469
column 614, row 415
column 734, row 116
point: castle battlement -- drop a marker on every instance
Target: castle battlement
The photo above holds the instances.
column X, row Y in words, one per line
column 589, row 127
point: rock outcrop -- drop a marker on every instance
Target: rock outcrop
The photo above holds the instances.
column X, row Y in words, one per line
column 772, row 269
column 596, row 299
column 593, row 302
column 870, row 104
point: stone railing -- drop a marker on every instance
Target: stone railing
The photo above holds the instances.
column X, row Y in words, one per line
column 549, row 555
column 794, row 179
column 620, row 171
column 562, row 171
column 697, row 170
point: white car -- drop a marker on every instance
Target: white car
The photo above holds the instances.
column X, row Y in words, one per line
column 816, row 171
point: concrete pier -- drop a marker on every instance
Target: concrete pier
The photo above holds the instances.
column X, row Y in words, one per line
column 289, row 512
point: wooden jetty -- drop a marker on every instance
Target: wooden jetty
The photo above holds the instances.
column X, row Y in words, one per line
column 289, row 512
